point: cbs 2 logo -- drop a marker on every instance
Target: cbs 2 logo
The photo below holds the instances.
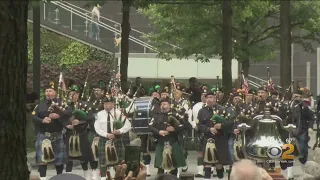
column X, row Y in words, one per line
column 288, row 150
column 284, row 152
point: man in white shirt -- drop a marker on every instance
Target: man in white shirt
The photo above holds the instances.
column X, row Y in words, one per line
column 95, row 17
column 110, row 125
column 193, row 120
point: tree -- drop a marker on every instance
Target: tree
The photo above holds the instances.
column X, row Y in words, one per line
column 226, row 45
column 285, row 43
column 14, row 64
column 125, row 32
column 196, row 29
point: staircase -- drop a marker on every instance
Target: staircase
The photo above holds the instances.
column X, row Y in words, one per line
column 75, row 23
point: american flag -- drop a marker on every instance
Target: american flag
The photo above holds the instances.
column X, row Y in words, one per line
column 271, row 84
column 62, row 85
column 114, row 91
column 245, row 85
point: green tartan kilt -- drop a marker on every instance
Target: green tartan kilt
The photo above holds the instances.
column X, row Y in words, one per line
column 102, row 152
column 92, row 135
column 177, row 155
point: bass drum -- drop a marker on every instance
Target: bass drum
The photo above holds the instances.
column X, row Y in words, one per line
column 141, row 117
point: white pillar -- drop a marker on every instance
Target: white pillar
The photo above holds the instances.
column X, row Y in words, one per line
column 318, row 71
column 308, row 74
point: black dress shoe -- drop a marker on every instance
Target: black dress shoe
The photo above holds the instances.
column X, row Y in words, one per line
column 198, row 175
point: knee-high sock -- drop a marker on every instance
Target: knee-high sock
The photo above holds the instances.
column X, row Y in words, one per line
column 59, row 169
column 200, row 161
column 69, row 166
column 94, row 164
column 42, row 170
column 84, row 166
column 147, row 159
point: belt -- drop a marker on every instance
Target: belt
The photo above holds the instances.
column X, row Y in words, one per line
column 210, row 140
column 48, row 134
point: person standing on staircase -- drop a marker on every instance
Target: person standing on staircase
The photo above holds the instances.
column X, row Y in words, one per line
column 95, row 17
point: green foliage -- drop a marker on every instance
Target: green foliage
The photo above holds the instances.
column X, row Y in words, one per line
column 76, row 53
column 196, row 28
column 59, row 50
column 51, row 44
column 193, row 28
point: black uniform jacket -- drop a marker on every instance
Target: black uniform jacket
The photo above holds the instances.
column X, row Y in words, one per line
column 41, row 111
column 160, row 122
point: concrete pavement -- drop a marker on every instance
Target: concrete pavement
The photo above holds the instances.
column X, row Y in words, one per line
column 192, row 163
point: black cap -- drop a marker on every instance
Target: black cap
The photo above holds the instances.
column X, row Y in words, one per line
column 165, row 90
column 252, row 91
column 165, row 100
column 263, row 88
column 210, row 93
column 101, row 84
column 50, row 85
column 108, row 99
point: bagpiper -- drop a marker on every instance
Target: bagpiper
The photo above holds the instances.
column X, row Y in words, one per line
column 110, row 128
column 165, row 128
column 193, row 119
column 146, row 138
column 299, row 113
column 215, row 123
column 77, row 141
column 96, row 105
column 180, row 107
column 50, row 119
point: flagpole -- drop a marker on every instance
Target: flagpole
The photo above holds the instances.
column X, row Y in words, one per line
column 268, row 79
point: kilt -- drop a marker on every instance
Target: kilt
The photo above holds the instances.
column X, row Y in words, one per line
column 58, row 146
column 102, row 152
column 177, row 155
column 85, row 147
column 222, row 147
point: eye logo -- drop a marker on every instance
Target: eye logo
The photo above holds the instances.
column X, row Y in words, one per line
column 284, row 152
column 274, row 152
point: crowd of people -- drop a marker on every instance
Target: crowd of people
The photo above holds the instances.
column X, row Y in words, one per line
column 94, row 130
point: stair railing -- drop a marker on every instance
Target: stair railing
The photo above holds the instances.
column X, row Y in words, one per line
column 254, row 84
column 261, row 80
column 110, row 28
column 107, row 19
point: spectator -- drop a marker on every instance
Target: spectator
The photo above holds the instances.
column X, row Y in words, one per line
column 95, row 17
column 247, row 170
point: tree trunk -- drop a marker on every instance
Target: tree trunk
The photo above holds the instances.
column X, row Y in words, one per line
column 13, row 77
column 285, row 44
column 245, row 64
column 125, row 32
column 227, row 46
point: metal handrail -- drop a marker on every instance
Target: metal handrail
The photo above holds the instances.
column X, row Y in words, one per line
column 119, row 24
column 138, row 41
column 262, row 80
column 110, row 28
column 254, row 84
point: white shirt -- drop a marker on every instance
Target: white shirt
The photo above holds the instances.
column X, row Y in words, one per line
column 95, row 12
column 193, row 113
column 101, row 125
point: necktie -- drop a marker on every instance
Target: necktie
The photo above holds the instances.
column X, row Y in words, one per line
column 108, row 123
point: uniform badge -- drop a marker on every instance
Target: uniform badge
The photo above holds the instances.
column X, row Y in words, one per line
column 33, row 113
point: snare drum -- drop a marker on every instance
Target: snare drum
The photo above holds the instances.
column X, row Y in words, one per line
column 141, row 116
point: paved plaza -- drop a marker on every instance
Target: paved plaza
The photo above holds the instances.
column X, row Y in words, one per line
column 192, row 162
